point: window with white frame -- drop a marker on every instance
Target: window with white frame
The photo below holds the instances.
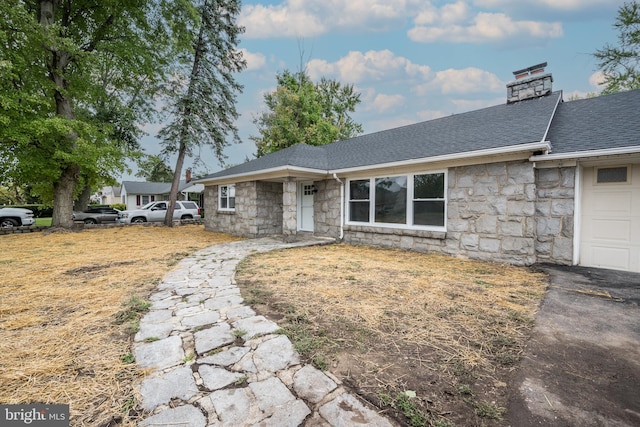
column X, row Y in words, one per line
column 402, row 201
column 227, row 197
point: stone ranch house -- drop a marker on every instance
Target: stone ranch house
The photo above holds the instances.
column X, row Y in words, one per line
column 533, row 180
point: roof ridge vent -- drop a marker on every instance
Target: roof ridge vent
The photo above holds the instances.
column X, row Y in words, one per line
column 531, row 82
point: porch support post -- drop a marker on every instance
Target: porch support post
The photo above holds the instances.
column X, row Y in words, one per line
column 289, row 208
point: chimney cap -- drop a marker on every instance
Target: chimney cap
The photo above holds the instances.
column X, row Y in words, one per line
column 529, row 69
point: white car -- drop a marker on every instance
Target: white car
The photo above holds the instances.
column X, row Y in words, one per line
column 156, row 211
column 15, row 217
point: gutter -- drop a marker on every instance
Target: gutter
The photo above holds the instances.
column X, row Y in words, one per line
column 531, row 146
column 634, row 149
column 341, row 205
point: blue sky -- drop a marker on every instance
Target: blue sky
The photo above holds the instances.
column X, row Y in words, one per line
column 413, row 60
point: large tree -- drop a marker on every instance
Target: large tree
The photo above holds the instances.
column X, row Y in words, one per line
column 76, row 76
column 301, row 111
column 154, row 169
column 203, row 92
column 621, row 63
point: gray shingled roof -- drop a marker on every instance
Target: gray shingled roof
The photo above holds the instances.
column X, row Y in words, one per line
column 143, row 187
column 488, row 128
column 603, row 122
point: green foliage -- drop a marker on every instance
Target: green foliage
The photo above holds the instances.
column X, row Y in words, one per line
column 405, row 402
column 134, row 308
column 489, row 410
column 201, row 97
column 74, row 83
column 128, row 358
column 300, row 111
column 621, row 64
column 154, row 169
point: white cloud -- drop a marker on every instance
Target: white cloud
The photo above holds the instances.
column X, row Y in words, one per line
column 374, row 65
column 597, row 80
column 255, row 61
column 310, row 18
column 426, row 115
column 467, row 80
column 383, row 103
column 447, row 14
column 562, row 5
column 279, row 21
column 455, row 23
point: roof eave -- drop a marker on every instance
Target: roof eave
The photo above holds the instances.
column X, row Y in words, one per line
column 634, row 149
column 265, row 174
column 469, row 155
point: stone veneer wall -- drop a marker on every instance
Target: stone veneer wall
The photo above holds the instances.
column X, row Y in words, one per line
column 491, row 216
column 555, row 214
column 326, row 211
column 258, row 210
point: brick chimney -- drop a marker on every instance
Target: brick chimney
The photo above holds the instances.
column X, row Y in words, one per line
column 187, row 175
column 531, row 82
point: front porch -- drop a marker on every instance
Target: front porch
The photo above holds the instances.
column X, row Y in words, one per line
column 289, row 207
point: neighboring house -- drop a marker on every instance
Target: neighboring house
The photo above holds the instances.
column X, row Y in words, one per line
column 109, row 195
column 136, row 194
column 533, row 180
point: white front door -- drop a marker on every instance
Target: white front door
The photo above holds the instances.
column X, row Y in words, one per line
column 610, row 235
column 305, row 212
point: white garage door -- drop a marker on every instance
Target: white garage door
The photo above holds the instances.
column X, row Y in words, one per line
column 610, row 235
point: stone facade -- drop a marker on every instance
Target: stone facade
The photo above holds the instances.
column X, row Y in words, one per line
column 258, row 210
column 326, row 211
column 289, row 208
column 555, row 214
column 529, row 88
column 490, row 216
column 504, row 212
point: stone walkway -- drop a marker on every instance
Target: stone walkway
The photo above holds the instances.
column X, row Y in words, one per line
column 213, row 362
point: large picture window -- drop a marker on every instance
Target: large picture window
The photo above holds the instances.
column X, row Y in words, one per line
column 227, row 197
column 403, row 201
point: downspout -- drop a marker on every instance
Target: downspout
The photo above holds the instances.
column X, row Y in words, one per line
column 341, row 205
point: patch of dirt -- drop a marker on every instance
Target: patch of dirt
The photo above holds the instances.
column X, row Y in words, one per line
column 428, row 339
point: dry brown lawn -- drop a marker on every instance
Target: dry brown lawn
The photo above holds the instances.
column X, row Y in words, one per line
column 388, row 323
column 59, row 297
column 393, row 325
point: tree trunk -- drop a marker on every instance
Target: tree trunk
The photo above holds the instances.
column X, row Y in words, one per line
column 184, row 132
column 175, row 185
column 63, row 198
column 58, row 62
column 83, row 200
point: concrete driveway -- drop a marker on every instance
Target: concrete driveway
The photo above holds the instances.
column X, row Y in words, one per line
column 582, row 364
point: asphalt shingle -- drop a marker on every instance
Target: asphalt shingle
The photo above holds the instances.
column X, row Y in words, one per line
column 603, row 122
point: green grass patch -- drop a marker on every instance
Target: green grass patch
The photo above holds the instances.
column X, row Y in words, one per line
column 43, row 222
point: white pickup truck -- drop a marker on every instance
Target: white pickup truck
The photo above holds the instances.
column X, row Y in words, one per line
column 156, row 211
column 15, row 217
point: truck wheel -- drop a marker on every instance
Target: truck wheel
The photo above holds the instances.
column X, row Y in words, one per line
column 138, row 220
column 8, row 223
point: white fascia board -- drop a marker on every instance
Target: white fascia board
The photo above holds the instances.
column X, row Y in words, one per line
column 583, row 154
column 553, row 113
column 280, row 171
column 532, row 146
